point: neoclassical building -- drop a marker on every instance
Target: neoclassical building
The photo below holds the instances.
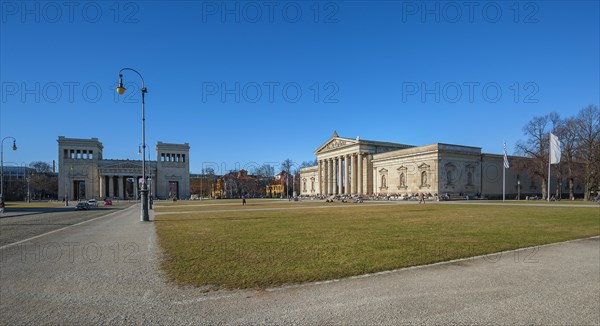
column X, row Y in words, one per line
column 84, row 173
column 353, row 166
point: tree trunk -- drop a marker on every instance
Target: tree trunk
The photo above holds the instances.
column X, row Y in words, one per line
column 571, row 186
column 587, row 189
column 544, row 189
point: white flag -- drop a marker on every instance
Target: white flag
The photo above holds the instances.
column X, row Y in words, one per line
column 554, row 149
column 506, row 165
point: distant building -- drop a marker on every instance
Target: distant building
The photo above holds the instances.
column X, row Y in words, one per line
column 235, row 185
column 347, row 166
column 201, row 185
column 85, row 173
column 15, row 182
column 277, row 186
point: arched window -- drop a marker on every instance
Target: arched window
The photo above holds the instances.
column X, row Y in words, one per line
column 304, row 185
column 469, row 178
column 312, row 184
column 383, row 181
column 402, row 180
column 424, row 178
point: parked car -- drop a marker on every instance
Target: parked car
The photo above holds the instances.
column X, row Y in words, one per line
column 82, row 206
column 92, row 203
column 107, row 202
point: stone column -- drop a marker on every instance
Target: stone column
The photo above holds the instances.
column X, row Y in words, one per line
column 111, row 186
column 320, row 178
column 331, row 177
column 339, row 176
column 346, row 176
column 353, row 174
column 325, row 167
column 120, row 181
column 100, row 187
column 359, row 174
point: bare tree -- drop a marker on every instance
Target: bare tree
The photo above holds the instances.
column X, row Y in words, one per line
column 43, row 182
column 587, row 129
column 566, row 131
column 287, row 166
column 536, row 148
column 40, row 167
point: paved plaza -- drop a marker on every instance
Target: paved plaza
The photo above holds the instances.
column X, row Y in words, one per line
column 107, row 270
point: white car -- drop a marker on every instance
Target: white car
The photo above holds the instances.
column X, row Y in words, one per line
column 92, row 203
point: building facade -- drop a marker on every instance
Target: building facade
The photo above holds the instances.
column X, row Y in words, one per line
column 349, row 166
column 84, row 173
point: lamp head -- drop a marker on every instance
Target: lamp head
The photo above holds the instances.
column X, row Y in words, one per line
column 120, row 88
column 14, row 148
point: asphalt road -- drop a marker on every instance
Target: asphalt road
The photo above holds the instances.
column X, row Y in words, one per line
column 107, row 272
column 24, row 223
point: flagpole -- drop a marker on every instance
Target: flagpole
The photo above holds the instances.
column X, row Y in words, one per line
column 503, row 182
column 549, row 160
column 504, row 162
column 553, row 152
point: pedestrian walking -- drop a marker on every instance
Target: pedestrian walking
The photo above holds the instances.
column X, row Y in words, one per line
column 421, row 198
column 243, row 201
column 2, row 207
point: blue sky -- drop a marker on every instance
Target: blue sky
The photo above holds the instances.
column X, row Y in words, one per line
column 257, row 82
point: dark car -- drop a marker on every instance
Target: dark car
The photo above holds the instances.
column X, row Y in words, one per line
column 82, row 206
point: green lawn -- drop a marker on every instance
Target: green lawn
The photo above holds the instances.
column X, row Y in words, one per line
column 251, row 249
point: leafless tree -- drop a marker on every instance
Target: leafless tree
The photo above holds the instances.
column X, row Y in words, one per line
column 566, row 131
column 587, row 130
column 536, row 148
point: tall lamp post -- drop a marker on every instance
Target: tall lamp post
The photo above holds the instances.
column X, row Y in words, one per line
column 518, row 189
column 144, row 191
column 294, row 185
column 150, row 180
column 28, row 189
column 14, row 148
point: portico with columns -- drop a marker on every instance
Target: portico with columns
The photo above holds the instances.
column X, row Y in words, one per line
column 344, row 165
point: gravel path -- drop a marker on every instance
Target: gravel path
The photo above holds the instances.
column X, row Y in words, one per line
column 107, row 272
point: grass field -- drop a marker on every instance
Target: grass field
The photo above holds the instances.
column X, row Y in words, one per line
column 261, row 248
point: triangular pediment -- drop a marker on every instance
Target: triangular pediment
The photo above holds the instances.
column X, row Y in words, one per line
column 335, row 143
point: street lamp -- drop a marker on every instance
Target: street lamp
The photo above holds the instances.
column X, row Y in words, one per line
column 28, row 189
column 294, row 185
column 14, row 148
column 144, row 191
column 518, row 189
column 150, row 180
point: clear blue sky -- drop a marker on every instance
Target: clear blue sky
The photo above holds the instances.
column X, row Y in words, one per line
column 372, row 63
